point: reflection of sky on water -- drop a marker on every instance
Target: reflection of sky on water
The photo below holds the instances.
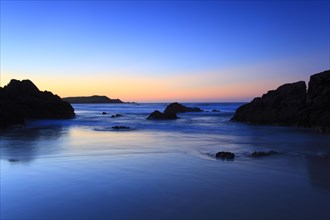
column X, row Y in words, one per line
column 25, row 144
column 160, row 185
column 162, row 169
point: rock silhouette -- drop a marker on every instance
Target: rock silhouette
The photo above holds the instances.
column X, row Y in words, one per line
column 116, row 116
column 170, row 112
column 178, row 108
column 121, row 127
column 292, row 105
column 317, row 110
column 21, row 100
column 258, row 154
column 157, row 115
column 225, row 155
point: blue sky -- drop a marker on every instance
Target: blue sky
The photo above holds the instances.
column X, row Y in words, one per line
column 257, row 42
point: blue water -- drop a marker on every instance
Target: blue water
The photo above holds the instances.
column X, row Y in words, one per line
column 84, row 169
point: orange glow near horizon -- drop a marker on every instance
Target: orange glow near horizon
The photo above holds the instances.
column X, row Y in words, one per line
column 148, row 90
column 209, row 86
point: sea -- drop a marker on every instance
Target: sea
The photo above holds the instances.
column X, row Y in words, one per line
column 83, row 168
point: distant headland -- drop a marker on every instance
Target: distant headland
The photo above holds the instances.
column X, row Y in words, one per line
column 91, row 99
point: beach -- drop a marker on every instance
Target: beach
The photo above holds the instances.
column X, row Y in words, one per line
column 83, row 168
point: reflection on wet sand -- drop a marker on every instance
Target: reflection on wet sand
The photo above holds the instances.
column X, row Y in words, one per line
column 25, row 144
column 162, row 165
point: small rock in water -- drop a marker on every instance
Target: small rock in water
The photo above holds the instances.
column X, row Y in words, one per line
column 121, row 127
column 225, row 155
column 263, row 154
column 116, row 115
column 178, row 108
column 157, row 115
column 104, row 113
column 215, row 110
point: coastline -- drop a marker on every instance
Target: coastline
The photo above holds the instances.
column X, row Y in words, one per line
column 162, row 166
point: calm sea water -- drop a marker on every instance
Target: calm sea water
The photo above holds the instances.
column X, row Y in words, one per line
column 83, row 169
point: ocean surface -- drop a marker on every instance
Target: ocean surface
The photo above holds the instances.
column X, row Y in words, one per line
column 84, row 169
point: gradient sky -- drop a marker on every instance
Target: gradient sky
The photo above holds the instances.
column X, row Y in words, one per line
column 165, row 50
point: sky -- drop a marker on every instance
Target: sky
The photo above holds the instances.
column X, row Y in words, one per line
column 163, row 51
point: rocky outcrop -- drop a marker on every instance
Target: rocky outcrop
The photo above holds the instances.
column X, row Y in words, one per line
column 317, row 112
column 291, row 104
column 157, row 115
column 258, row 154
column 21, row 100
column 281, row 106
column 116, row 116
column 95, row 99
column 121, row 127
column 170, row 112
column 225, row 155
column 178, row 108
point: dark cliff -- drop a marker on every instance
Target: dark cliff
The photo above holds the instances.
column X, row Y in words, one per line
column 291, row 104
column 21, row 100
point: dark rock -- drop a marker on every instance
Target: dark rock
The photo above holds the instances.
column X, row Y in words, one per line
column 263, row 154
column 319, row 89
column 157, row 115
column 104, row 113
column 171, row 111
column 290, row 104
column 317, row 111
column 121, row 127
column 116, row 116
column 20, row 100
column 178, row 108
column 91, row 99
column 282, row 106
column 215, row 110
column 225, row 155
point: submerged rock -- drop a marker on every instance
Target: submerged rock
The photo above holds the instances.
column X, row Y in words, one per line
column 157, row 115
column 263, row 153
column 215, row 110
column 121, row 127
column 291, row 104
column 104, row 113
column 225, row 155
column 179, row 108
column 116, row 116
column 20, row 100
